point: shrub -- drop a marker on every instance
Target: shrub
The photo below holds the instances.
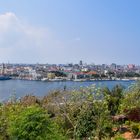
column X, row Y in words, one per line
column 120, row 138
column 131, row 98
column 135, row 127
column 32, row 123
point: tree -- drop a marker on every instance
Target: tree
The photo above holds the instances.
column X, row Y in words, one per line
column 32, row 123
column 84, row 113
column 113, row 98
column 94, row 121
column 131, row 98
column 3, row 124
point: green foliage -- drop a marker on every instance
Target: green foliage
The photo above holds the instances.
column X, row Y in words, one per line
column 113, row 98
column 59, row 73
column 120, row 138
column 103, row 121
column 131, row 74
column 94, row 121
column 86, row 123
column 135, row 127
column 85, row 113
column 131, row 98
column 3, row 124
column 32, row 123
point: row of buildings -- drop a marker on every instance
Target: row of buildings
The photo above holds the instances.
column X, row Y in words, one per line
column 81, row 71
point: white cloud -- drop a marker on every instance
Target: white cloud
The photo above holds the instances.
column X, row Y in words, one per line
column 14, row 32
column 20, row 42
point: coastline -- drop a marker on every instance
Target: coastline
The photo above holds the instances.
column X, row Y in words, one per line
column 76, row 80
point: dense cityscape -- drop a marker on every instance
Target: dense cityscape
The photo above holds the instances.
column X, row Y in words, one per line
column 87, row 113
column 75, row 72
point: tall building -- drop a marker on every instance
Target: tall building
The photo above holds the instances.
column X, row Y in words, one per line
column 3, row 69
column 81, row 63
column 113, row 66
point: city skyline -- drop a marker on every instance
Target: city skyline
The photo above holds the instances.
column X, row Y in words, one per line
column 71, row 63
column 58, row 32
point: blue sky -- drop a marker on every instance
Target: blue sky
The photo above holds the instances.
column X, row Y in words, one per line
column 63, row 31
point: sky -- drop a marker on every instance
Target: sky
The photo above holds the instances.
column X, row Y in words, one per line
column 67, row 31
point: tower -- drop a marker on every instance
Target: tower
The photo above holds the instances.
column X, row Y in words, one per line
column 3, row 69
column 81, row 63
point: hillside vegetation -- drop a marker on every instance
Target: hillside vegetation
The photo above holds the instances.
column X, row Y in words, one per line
column 85, row 114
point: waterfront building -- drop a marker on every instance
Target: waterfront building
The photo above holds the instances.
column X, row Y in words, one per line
column 50, row 75
column 131, row 66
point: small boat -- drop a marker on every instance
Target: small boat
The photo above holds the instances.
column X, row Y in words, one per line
column 79, row 80
column 57, row 79
column 125, row 79
column 44, row 79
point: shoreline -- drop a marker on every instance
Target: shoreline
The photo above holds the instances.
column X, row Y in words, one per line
column 74, row 80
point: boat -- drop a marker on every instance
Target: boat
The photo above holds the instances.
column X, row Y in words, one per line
column 79, row 80
column 55, row 80
column 44, row 79
column 125, row 79
column 3, row 77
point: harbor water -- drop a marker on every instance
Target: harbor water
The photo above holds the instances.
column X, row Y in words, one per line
column 39, row 88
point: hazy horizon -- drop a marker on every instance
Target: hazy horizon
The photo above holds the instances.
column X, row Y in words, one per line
column 60, row 32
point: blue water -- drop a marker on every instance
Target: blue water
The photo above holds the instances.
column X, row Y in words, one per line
column 39, row 88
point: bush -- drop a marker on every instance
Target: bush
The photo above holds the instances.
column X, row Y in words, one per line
column 32, row 123
column 120, row 138
column 131, row 98
column 86, row 123
column 135, row 127
column 78, row 114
